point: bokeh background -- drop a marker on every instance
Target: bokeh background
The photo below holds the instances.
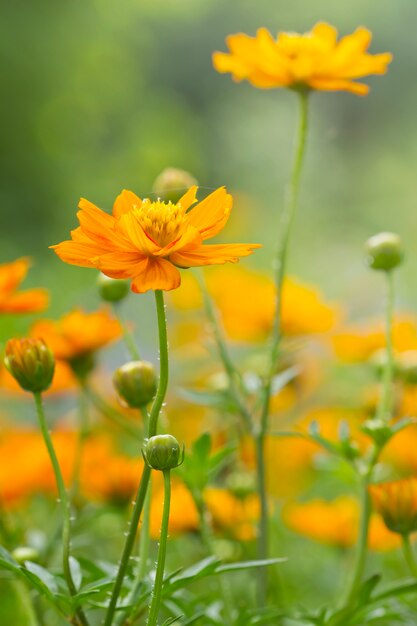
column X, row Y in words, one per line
column 102, row 95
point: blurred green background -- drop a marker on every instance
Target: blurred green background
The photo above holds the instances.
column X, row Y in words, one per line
column 101, row 95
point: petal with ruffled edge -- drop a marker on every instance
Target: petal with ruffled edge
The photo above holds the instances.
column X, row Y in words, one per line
column 215, row 254
column 211, row 214
column 12, row 274
column 188, row 198
column 156, row 274
column 125, row 202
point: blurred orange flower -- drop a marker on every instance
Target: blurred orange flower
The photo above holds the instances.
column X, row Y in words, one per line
column 14, row 301
column 147, row 241
column 336, row 523
column 315, row 60
column 183, row 515
column 251, row 318
column 359, row 342
column 235, row 516
column 396, row 502
column 77, row 333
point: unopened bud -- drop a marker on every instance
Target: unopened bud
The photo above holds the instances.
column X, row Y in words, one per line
column 172, row 183
column 163, row 452
column 31, row 363
column 136, row 383
column 25, row 553
column 384, row 251
column 112, row 289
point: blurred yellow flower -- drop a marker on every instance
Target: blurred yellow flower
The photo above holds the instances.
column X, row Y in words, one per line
column 14, row 301
column 396, row 502
column 148, row 241
column 231, row 515
column 315, row 60
column 359, row 342
column 335, row 522
column 77, row 333
column 251, row 318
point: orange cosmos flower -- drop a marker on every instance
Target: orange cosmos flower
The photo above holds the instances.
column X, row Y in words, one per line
column 77, row 333
column 396, row 501
column 147, row 241
column 336, row 523
column 314, row 60
column 13, row 301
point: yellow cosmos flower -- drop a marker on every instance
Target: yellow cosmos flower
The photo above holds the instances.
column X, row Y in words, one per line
column 315, row 60
column 336, row 522
column 147, row 241
column 396, row 501
column 14, row 301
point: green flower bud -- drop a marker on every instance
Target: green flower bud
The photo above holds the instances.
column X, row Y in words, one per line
column 163, row 452
column 112, row 289
column 172, row 183
column 407, row 367
column 384, row 251
column 25, row 553
column 31, row 363
column 136, row 383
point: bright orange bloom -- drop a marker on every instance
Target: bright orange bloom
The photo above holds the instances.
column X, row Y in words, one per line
column 396, row 501
column 304, row 310
column 314, row 60
column 147, row 241
column 77, row 333
column 13, row 301
column 336, row 523
column 359, row 342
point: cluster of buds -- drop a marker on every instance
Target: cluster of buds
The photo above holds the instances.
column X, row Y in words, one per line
column 163, row 453
column 31, row 363
column 136, row 383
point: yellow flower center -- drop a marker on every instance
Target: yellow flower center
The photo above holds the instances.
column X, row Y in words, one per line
column 162, row 221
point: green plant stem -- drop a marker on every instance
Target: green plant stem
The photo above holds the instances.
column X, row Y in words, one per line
column 233, row 375
column 144, row 482
column 286, row 223
column 409, row 554
column 127, row 334
column 385, row 403
column 65, row 505
column 160, row 563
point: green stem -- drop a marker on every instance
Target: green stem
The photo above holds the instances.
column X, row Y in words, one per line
column 286, row 223
column 233, row 375
column 409, row 554
column 385, row 403
column 144, row 482
column 160, row 564
column 65, row 504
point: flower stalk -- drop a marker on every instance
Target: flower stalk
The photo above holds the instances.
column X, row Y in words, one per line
column 144, row 482
column 409, row 555
column 286, row 223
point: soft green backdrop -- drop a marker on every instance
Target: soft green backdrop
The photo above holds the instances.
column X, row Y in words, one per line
column 101, row 95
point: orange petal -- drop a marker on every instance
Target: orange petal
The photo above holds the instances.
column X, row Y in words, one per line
column 29, row 301
column 77, row 253
column 331, row 84
column 120, row 264
column 129, row 226
column 188, row 198
column 215, row 254
column 12, row 274
column 211, row 214
column 125, row 201
column 189, row 238
column 156, row 274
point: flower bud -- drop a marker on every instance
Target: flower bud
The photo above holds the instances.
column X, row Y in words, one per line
column 172, row 183
column 136, row 383
column 31, row 363
column 112, row 289
column 407, row 367
column 396, row 501
column 25, row 553
column 163, row 452
column 384, row 251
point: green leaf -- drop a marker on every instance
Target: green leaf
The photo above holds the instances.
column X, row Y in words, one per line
column 366, row 589
column 7, row 561
column 76, row 573
column 172, row 620
column 283, row 378
column 230, row 567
